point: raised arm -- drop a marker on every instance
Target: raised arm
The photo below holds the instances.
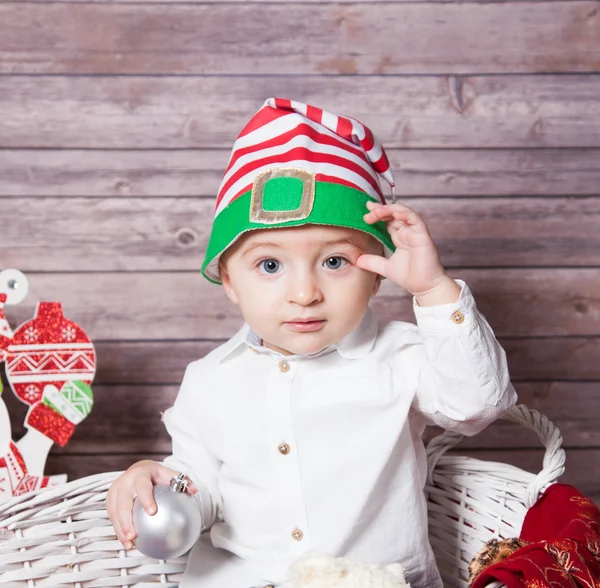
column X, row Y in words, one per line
column 464, row 382
column 463, row 377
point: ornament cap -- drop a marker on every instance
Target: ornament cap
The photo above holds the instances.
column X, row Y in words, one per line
column 54, row 308
column 179, row 483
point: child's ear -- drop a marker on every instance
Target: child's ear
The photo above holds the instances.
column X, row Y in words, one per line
column 226, row 281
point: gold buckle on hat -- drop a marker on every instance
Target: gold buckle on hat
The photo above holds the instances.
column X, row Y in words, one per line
column 259, row 215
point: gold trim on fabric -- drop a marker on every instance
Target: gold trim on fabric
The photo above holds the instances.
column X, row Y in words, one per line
column 259, row 215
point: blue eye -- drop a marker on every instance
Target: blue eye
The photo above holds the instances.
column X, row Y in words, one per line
column 335, row 262
column 270, row 266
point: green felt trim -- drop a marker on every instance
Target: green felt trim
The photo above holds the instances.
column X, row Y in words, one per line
column 334, row 205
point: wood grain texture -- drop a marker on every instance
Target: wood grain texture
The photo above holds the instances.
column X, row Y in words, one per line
column 153, row 362
column 283, row 1
column 162, row 362
column 370, row 38
column 183, row 305
column 581, row 471
column 126, row 419
column 198, row 172
column 564, row 358
column 132, row 234
column 114, row 138
column 169, row 112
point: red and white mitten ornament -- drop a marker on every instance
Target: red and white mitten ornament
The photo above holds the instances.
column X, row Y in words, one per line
column 48, row 350
column 60, row 411
column 50, row 364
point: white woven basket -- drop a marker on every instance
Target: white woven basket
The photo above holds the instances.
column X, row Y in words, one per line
column 471, row 501
column 61, row 537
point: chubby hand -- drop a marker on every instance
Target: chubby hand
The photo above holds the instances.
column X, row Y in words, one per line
column 138, row 480
column 415, row 265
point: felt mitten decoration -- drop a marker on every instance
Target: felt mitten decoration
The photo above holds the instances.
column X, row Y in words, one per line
column 59, row 411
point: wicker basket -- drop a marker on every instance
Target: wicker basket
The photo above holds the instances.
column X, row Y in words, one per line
column 61, row 537
column 471, row 501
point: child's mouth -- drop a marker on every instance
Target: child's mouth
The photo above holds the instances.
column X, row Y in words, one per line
column 305, row 325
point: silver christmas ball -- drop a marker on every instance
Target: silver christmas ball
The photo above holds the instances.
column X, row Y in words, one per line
column 175, row 526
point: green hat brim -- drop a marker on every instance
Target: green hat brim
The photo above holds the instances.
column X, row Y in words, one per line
column 334, row 205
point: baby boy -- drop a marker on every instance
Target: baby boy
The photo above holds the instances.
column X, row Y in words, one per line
column 303, row 432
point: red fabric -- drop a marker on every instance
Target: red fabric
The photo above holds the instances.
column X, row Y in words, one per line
column 563, row 527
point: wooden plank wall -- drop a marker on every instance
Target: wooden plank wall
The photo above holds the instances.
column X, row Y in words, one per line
column 115, row 123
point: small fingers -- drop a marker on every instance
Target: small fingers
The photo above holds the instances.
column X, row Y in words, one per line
column 124, row 524
column 127, row 544
column 123, row 507
column 118, row 506
column 143, row 489
column 373, row 263
column 396, row 212
column 112, row 515
column 191, row 487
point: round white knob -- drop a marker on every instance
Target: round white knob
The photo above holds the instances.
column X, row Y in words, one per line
column 14, row 284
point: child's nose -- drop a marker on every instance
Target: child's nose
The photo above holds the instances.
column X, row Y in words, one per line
column 304, row 289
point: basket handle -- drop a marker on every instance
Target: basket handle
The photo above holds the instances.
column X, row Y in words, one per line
column 549, row 434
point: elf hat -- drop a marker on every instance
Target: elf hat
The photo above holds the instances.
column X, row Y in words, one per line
column 295, row 164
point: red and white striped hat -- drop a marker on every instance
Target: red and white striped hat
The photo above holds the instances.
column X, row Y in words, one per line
column 295, row 164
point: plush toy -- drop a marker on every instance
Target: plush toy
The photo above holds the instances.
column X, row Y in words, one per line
column 491, row 553
column 324, row 571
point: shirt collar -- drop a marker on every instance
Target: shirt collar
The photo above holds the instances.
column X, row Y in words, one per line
column 357, row 344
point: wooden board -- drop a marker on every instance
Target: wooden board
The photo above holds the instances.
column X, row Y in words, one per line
column 581, row 471
column 154, row 362
column 183, row 305
column 114, row 139
column 565, row 358
column 166, row 112
column 284, row 1
column 572, row 406
column 368, row 38
column 132, row 234
column 198, row 172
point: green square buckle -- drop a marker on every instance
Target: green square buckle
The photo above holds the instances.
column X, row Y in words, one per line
column 286, row 190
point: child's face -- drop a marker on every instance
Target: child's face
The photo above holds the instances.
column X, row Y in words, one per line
column 298, row 288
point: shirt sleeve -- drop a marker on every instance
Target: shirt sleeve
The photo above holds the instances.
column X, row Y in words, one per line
column 464, row 382
column 189, row 453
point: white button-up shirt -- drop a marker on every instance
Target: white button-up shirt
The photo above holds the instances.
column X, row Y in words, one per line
column 324, row 453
